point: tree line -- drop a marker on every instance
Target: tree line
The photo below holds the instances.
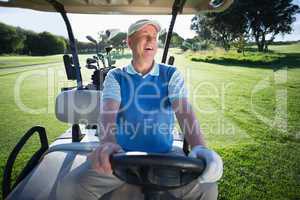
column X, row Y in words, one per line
column 15, row 40
column 247, row 20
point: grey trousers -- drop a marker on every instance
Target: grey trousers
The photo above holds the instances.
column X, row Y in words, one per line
column 85, row 183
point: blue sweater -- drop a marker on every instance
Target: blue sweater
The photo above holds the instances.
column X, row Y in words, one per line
column 145, row 120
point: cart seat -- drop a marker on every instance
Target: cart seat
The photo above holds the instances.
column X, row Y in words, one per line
column 78, row 106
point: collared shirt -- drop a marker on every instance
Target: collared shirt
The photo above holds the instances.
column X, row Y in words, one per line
column 176, row 87
column 153, row 72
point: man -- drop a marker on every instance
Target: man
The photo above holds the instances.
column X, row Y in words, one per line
column 138, row 103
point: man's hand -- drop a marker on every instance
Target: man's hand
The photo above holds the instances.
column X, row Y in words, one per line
column 214, row 164
column 100, row 157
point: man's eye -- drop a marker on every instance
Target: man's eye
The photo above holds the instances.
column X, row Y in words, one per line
column 146, row 36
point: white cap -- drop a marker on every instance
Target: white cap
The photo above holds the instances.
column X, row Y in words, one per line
column 140, row 24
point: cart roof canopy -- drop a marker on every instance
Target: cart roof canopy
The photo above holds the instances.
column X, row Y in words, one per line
column 121, row 6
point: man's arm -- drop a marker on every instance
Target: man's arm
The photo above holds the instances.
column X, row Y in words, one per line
column 191, row 129
column 110, row 104
column 188, row 122
column 109, row 108
column 185, row 115
column 108, row 146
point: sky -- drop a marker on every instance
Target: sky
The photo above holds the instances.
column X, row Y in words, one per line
column 85, row 24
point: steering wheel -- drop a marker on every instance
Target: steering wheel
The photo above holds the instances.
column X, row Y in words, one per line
column 156, row 172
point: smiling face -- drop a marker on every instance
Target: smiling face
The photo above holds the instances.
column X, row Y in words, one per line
column 143, row 44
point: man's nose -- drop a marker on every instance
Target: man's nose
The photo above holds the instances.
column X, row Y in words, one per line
column 150, row 39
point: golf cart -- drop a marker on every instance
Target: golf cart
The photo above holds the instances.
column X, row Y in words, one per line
column 80, row 107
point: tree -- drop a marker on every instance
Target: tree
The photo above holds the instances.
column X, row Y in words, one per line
column 119, row 41
column 195, row 44
column 202, row 27
column 11, row 41
column 50, row 44
column 162, row 37
column 18, row 40
column 222, row 28
column 176, row 40
column 260, row 19
column 268, row 18
column 31, row 43
column 85, row 47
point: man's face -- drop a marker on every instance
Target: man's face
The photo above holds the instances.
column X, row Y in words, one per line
column 143, row 43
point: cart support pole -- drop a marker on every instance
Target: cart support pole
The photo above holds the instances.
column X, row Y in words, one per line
column 177, row 8
column 60, row 8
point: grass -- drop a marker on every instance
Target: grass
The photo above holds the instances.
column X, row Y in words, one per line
column 24, row 61
column 241, row 108
column 292, row 48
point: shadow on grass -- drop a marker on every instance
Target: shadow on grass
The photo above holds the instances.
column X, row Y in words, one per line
column 289, row 60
